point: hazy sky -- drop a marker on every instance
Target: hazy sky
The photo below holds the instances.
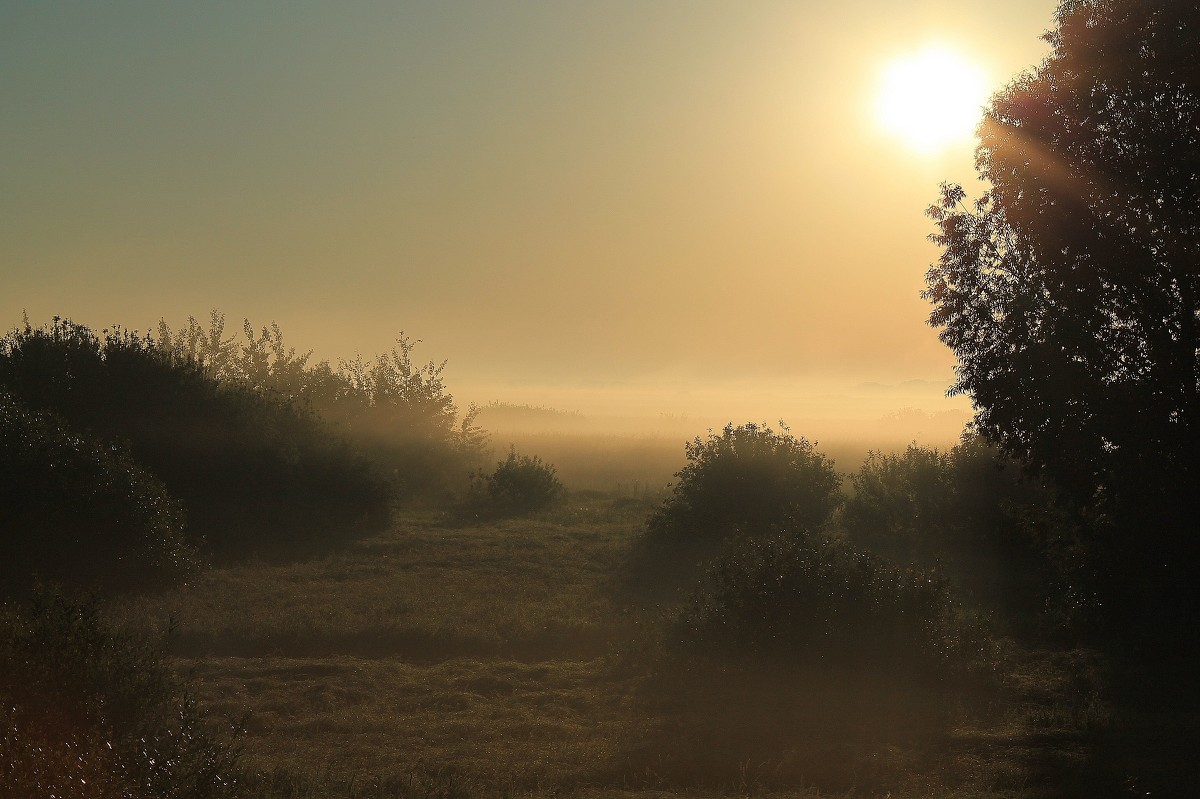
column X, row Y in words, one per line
column 613, row 193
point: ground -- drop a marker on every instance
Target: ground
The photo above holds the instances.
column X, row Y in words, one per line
column 515, row 656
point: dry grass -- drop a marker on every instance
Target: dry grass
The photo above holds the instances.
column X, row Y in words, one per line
column 499, row 722
column 516, row 588
column 509, row 657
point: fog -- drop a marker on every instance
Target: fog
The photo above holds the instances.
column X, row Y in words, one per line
column 916, row 410
column 687, row 205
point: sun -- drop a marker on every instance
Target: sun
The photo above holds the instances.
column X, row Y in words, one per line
column 931, row 99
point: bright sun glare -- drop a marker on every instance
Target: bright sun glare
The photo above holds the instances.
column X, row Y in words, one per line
column 931, row 99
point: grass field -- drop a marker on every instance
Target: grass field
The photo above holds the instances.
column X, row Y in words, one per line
column 512, row 657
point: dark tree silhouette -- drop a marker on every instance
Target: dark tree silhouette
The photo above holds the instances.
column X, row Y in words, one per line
column 1068, row 291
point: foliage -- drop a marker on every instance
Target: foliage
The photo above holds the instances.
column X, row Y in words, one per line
column 262, row 363
column 402, row 413
column 971, row 514
column 806, row 602
column 253, row 470
column 90, row 713
column 78, row 510
column 748, row 478
column 1068, row 291
column 521, row 484
column 393, row 408
column 901, row 501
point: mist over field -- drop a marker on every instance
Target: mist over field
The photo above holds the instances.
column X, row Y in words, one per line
column 623, row 437
column 911, row 410
column 693, row 399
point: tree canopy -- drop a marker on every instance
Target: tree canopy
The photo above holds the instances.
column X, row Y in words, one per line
column 1068, row 290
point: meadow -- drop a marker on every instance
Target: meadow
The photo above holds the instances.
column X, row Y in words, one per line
column 308, row 582
column 515, row 657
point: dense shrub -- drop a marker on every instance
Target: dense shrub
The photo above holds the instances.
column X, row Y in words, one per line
column 254, row 470
column 396, row 410
column 522, row 484
column 810, row 603
column 401, row 414
column 972, row 514
column 89, row 713
column 78, row 510
column 901, row 501
column 748, row 478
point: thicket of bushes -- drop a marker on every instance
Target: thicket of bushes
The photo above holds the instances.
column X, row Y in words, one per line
column 924, row 541
column 971, row 514
column 81, row 510
column 255, row 472
column 265, row 452
column 814, row 604
column 394, row 409
column 91, row 714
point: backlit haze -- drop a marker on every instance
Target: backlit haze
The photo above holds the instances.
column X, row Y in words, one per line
column 691, row 209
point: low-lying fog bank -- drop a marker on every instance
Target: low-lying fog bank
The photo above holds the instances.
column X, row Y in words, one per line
column 630, row 437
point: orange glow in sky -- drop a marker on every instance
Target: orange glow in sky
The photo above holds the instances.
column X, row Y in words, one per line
column 683, row 193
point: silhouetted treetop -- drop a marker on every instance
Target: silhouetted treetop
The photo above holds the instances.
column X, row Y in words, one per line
column 1068, row 290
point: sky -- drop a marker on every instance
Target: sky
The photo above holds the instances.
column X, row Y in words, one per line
column 688, row 206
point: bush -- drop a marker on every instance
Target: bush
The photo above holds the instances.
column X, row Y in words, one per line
column 89, row 713
column 748, row 479
column 394, row 409
column 970, row 513
column 809, row 603
column 519, row 484
column 254, row 470
column 901, row 502
column 402, row 414
column 81, row 511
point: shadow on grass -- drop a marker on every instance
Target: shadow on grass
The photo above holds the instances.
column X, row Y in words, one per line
column 1149, row 745
column 751, row 730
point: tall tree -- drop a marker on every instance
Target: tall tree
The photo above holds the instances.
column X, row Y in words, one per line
column 1068, row 290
